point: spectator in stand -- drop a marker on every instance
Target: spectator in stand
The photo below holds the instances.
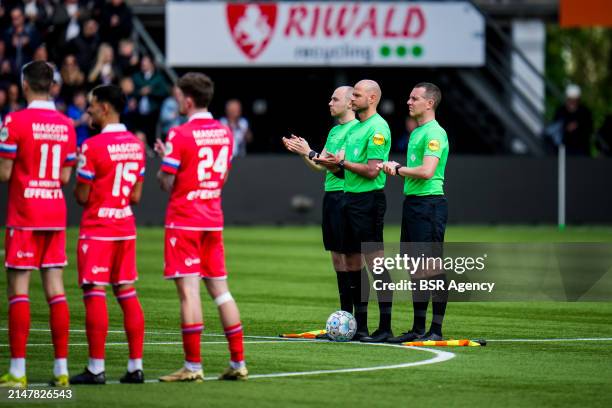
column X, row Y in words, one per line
column 7, row 71
column 105, row 71
column 127, row 58
column 151, row 89
column 115, row 22
column 72, row 77
column 239, row 125
column 170, row 115
column 37, row 13
column 66, row 19
column 21, row 39
column 77, row 111
column 61, row 104
column 41, row 54
column 128, row 116
column 4, row 109
column 85, row 45
column 15, row 103
column 576, row 123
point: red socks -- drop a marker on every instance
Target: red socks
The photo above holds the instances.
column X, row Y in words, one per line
column 191, row 341
column 96, row 321
column 133, row 321
column 59, row 323
column 19, row 324
column 234, row 337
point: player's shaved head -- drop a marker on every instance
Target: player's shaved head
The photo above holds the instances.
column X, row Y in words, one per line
column 344, row 92
column 366, row 97
column 370, row 87
column 340, row 103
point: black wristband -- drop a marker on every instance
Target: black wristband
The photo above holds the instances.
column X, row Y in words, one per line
column 312, row 154
column 397, row 169
column 341, row 164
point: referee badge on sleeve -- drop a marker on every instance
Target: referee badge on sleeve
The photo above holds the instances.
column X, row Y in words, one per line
column 434, row 145
column 378, row 139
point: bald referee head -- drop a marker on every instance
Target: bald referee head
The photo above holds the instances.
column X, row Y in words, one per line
column 366, row 97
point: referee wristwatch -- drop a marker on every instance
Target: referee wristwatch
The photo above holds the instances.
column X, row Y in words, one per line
column 397, row 169
column 341, row 164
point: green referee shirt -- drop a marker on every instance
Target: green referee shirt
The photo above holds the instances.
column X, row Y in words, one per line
column 427, row 140
column 367, row 140
column 335, row 142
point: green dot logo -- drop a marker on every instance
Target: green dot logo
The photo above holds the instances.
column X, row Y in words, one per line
column 400, row 51
column 417, row 51
column 385, row 51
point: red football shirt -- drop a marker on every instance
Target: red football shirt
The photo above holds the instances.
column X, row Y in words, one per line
column 112, row 162
column 40, row 141
column 198, row 153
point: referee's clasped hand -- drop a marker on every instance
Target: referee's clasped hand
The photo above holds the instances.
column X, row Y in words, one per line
column 329, row 160
column 388, row 167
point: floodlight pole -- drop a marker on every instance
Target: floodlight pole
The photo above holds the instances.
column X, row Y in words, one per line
column 561, row 169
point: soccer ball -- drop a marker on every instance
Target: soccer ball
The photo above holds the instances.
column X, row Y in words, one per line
column 341, row 326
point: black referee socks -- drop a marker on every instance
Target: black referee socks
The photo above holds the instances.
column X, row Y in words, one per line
column 361, row 306
column 345, row 291
column 385, row 303
column 439, row 299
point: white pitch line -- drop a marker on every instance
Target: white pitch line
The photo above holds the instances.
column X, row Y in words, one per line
column 161, row 343
column 552, row 340
column 177, row 333
column 440, row 357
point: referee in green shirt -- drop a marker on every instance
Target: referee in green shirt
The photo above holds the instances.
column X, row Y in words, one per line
column 425, row 209
column 333, row 200
column 367, row 146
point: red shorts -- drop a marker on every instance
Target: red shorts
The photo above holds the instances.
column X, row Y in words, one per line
column 106, row 262
column 35, row 249
column 194, row 253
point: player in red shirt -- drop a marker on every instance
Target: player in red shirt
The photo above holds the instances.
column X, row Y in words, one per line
column 37, row 153
column 194, row 168
column 109, row 179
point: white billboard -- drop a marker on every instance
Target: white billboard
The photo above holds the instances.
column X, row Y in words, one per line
column 324, row 34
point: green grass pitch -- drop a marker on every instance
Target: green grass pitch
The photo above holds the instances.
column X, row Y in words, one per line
column 283, row 282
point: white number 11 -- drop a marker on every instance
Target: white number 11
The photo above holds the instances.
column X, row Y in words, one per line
column 56, row 152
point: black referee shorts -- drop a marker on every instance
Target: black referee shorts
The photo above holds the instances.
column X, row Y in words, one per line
column 333, row 220
column 364, row 218
column 424, row 218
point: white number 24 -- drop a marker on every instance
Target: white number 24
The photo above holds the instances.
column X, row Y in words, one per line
column 207, row 161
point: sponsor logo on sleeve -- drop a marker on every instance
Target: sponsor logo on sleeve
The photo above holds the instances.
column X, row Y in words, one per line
column 82, row 161
column 4, row 134
column 378, row 139
column 434, row 145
